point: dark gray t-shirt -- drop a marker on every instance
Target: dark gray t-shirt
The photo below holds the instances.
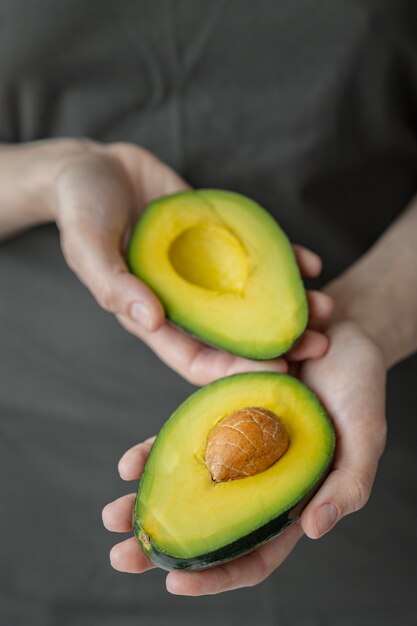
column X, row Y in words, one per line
column 308, row 107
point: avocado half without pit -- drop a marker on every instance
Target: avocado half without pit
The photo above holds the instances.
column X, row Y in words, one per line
column 233, row 466
column 223, row 269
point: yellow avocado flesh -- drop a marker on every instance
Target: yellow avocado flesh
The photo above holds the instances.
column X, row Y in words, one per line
column 184, row 512
column 223, row 269
column 209, row 256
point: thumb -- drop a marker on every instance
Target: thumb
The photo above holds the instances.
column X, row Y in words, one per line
column 95, row 256
column 344, row 491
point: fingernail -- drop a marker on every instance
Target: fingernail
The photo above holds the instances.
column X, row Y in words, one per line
column 140, row 314
column 172, row 585
column 326, row 517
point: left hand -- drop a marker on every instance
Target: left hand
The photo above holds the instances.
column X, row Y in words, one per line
column 350, row 381
column 244, row 571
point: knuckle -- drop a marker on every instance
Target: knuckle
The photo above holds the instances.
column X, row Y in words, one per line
column 259, row 569
column 193, row 378
column 106, row 297
column 69, row 250
column 361, row 490
column 195, row 372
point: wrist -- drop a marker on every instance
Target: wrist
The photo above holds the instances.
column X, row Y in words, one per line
column 359, row 303
column 379, row 291
column 27, row 176
column 42, row 167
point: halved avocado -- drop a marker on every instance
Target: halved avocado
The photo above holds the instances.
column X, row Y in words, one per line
column 183, row 519
column 223, row 269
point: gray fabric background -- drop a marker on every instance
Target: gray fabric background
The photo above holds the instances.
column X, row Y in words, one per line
column 309, row 107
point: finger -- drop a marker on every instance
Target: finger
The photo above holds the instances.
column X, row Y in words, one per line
column 132, row 463
column 117, row 515
column 309, row 262
column 193, row 360
column 320, row 305
column 127, row 556
column 344, row 492
column 312, row 345
column 150, row 177
column 348, row 486
column 94, row 255
column 245, row 571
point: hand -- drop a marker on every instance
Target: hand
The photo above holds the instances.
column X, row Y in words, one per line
column 201, row 364
column 98, row 193
column 244, row 571
column 350, row 382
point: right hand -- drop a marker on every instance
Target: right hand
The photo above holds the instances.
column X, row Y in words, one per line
column 96, row 195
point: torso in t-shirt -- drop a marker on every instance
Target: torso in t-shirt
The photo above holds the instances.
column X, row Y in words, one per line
column 308, row 107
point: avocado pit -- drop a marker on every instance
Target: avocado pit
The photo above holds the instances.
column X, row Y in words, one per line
column 245, row 443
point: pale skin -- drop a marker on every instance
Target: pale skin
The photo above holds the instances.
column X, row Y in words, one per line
column 373, row 326
column 95, row 193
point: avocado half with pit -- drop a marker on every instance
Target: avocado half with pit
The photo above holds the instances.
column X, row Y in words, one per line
column 232, row 467
column 223, row 269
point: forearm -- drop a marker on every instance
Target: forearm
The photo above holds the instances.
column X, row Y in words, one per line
column 379, row 291
column 27, row 172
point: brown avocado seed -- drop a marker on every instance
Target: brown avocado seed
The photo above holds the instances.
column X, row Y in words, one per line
column 244, row 443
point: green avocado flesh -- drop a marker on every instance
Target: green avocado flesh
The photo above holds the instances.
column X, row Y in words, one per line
column 223, row 269
column 185, row 520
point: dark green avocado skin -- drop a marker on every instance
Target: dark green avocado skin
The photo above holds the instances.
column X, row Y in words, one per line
column 266, row 530
column 241, row 546
column 237, row 548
